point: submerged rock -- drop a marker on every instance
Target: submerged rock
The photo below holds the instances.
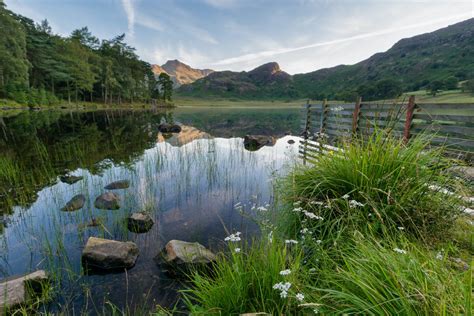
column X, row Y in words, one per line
column 76, row 203
column 255, row 142
column 105, row 254
column 107, row 201
column 22, row 290
column 169, row 128
column 121, row 184
column 139, row 222
column 465, row 172
column 70, row 179
column 179, row 252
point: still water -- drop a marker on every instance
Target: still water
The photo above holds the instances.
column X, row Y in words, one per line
column 189, row 182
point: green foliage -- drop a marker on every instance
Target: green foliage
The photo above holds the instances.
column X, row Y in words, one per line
column 451, row 83
column 394, row 184
column 243, row 282
column 33, row 59
column 383, row 89
column 166, row 86
column 468, row 86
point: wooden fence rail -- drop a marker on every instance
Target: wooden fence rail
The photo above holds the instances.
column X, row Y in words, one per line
column 450, row 125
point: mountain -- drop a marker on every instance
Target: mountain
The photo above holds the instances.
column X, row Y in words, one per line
column 267, row 81
column 412, row 63
column 180, row 73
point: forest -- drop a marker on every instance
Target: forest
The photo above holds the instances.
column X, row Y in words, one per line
column 38, row 67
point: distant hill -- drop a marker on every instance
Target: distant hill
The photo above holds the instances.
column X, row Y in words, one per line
column 180, row 73
column 266, row 81
column 413, row 63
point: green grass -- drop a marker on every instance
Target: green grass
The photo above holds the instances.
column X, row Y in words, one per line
column 450, row 96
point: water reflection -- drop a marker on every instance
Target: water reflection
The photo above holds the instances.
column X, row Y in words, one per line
column 188, row 181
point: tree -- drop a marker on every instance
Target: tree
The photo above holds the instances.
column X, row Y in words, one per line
column 468, row 86
column 13, row 61
column 388, row 88
column 451, row 83
column 435, row 86
column 166, row 86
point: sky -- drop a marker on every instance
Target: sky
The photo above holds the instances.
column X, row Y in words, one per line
column 301, row 35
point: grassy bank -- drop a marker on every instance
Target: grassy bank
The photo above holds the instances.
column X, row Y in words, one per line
column 365, row 232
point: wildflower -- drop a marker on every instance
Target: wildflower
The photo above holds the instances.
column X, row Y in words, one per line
column 439, row 256
column 312, row 215
column 270, row 236
column 283, row 294
column 233, row 237
column 297, row 203
column 400, row 250
column 317, row 203
column 300, row 297
column 285, row 272
column 316, row 311
column 354, row 204
column 237, row 250
column 312, row 270
column 282, row 286
column 345, row 196
column 262, row 209
column 319, row 241
column 291, row 241
column 304, row 230
column 337, row 109
column 298, row 209
column 401, row 228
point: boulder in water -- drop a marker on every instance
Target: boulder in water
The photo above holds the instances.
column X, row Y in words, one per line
column 107, row 201
column 255, row 142
column 179, row 252
column 105, row 254
column 22, row 290
column 139, row 222
column 76, row 203
column 70, row 179
column 121, row 184
column 169, row 128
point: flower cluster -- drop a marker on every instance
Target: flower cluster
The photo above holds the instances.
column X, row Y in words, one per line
column 283, row 288
column 307, row 214
column 337, row 109
column 291, row 241
column 300, row 297
column 285, row 272
column 233, row 237
column 403, row 252
column 354, row 204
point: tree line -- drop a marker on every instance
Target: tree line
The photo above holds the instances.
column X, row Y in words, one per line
column 38, row 67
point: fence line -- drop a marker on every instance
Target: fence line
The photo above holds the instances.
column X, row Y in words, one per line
column 451, row 124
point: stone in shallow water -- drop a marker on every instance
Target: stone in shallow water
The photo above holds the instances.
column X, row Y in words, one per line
column 121, row 184
column 255, row 142
column 169, row 128
column 70, row 179
column 108, row 255
column 76, row 203
column 107, row 201
column 291, row 141
column 139, row 222
column 22, row 290
column 179, row 252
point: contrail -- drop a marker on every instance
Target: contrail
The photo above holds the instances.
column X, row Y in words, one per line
column 268, row 53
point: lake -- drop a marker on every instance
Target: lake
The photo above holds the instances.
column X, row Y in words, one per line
column 189, row 182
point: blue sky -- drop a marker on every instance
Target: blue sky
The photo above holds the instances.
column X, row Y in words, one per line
column 301, row 35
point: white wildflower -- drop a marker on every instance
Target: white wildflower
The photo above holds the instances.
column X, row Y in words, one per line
column 400, row 250
column 297, row 203
column 291, row 241
column 270, row 236
column 262, row 209
column 316, row 311
column 283, row 294
column 319, row 241
column 298, row 209
column 285, row 272
column 312, row 270
column 300, row 297
column 237, row 250
column 282, row 286
column 439, row 256
column 337, row 109
column 345, row 196
column 354, row 204
column 304, row 230
column 233, row 237
column 401, row 228
column 317, row 203
column 312, row 215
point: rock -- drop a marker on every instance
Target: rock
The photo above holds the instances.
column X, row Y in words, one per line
column 22, row 290
column 255, row 142
column 107, row 201
column 121, row 184
column 291, row 141
column 139, row 222
column 179, row 252
column 105, row 254
column 465, row 172
column 459, row 264
column 76, row 203
column 169, row 128
column 70, row 179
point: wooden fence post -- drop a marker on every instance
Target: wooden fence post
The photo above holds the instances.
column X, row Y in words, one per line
column 409, row 118
column 356, row 115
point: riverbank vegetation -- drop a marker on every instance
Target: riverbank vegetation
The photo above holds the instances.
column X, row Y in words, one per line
column 377, row 228
column 41, row 68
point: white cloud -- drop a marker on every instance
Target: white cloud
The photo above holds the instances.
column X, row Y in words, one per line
column 130, row 12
